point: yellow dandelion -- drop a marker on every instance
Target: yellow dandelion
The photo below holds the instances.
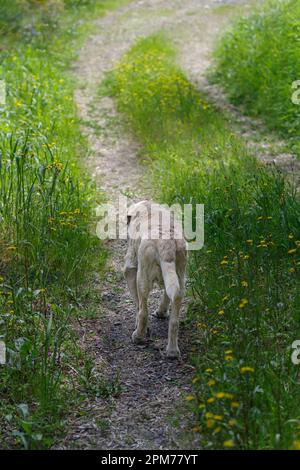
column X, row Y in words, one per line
column 243, row 303
column 210, row 423
column 218, row 417
column 228, row 358
column 190, row 398
column 229, row 396
column 211, row 382
column 229, row 443
column 217, row 430
column 235, row 404
column 246, row 370
column 292, row 251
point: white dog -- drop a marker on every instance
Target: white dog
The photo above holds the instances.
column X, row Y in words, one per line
column 157, row 253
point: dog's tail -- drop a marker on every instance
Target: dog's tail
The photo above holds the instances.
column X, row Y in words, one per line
column 168, row 269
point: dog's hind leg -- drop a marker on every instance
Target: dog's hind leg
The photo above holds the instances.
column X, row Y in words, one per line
column 142, row 316
column 172, row 347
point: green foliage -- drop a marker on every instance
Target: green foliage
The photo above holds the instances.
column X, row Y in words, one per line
column 257, row 62
column 244, row 283
column 46, row 241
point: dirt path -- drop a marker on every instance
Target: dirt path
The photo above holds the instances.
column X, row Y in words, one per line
column 152, row 389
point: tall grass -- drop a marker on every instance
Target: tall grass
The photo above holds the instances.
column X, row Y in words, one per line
column 257, row 62
column 244, row 283
column 46, row 241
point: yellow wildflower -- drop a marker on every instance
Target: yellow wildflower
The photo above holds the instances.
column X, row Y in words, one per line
column 235, row 404
column 228, row 443
column 243, row 303
column 210, row 423
column 224, row 262
column 246, row 369
column 190, row 398
column 228, row 358
column 217, row 430
column 218, row 417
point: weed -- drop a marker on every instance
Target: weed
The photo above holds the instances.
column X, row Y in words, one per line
column 244, row 283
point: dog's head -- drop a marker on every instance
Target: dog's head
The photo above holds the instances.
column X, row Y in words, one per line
column 135, row 209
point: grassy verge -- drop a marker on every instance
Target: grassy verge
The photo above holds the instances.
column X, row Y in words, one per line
column 257, row 62
column 46, row 244
column 244, row 283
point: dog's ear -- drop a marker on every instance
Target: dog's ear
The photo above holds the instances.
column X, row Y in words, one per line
column 128, row 219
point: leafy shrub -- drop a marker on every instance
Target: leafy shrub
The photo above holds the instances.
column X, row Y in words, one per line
column 244, row 283
column 257, row 62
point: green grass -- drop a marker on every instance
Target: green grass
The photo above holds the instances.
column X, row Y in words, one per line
column 257, row 62
column 244, row 283
column 46, row 240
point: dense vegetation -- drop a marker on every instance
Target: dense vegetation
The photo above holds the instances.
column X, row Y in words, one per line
column 258, row 61
column 244, row 283
column 45, row 214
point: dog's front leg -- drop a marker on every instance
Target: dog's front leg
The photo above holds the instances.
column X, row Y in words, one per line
column 162, row 311
column 130, row 276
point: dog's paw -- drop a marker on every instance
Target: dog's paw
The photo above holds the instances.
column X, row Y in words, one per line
column 137, row 339
column 173, row 354
column 162, row 315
